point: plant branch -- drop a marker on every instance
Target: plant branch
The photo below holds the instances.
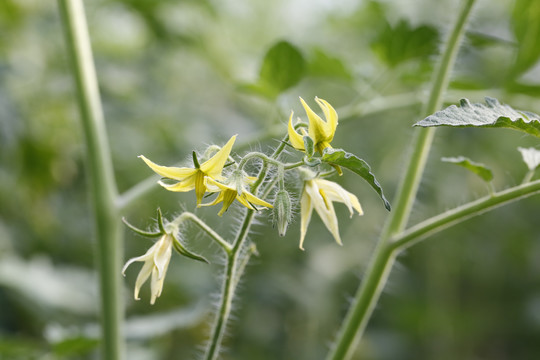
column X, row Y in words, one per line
column 102, row 183
column 383, row 259
column 461, row 213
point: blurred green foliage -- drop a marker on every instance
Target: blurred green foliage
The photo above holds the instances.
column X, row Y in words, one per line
column 172, row 76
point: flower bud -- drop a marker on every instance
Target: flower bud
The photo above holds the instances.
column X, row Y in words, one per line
column 282, row 211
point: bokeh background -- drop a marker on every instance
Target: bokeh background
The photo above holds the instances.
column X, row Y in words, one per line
column 179, row 75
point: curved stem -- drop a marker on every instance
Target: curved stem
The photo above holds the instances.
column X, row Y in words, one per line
column 201, row 224
column 102, row 182
column 461, row 213
column 379, row 268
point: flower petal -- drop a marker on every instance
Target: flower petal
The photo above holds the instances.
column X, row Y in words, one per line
column 331, row 118
column 162, row 255
column 317, row 127
column 187, row 184
column 325, row 210
column 213, row 166
column 305, row 216
column 336, row 192
column 297, row 141
column 175, row 173
column 255, row 200
column 141, row 278
column 156, row 286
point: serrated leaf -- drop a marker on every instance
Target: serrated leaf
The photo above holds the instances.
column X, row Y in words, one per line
column 355, row 164
column 531, row 157
column 526, row 27
column 491, row 115
column 479, row 169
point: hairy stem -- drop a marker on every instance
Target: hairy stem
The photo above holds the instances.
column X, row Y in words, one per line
column 461, row 213
column 236, row 264
column 102, row 184
column 228, row 290
column 203, row 226
column 379, row 268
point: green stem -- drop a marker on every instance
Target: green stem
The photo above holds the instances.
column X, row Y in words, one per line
column 464, row 212
column 102, row 183
column 379, row 268
column 201, row 224
column 229, row 287
column 236, row 264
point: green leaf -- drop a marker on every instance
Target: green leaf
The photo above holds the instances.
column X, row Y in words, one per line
column 526, row 27
column 531, row 157
column 402, row 42
column 282, row 68
column 324, row 65
column 355, row 164
column 492, row 115
column 479, row 169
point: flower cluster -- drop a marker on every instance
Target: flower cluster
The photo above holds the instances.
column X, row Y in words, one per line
column 229, row 180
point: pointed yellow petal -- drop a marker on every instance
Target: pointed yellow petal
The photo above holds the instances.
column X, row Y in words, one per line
column 255, row 200
column 331, row 118
column 187, row 184
column 242, row 200
column 317, row 127
column 297, row 141
column 175, row 173
column 213, row 166
column 306, row 210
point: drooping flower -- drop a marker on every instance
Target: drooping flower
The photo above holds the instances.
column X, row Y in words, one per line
column 234, row 188
column 156, row 261
column 193, row 178
column 319, row 194
column 320, row 131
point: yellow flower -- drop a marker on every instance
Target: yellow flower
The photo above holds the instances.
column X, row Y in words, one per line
column 320, row 131
column 235, row 188
column 319, row 194
column 156, row 260
column 188, row 178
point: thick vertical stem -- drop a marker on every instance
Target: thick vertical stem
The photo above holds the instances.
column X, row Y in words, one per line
column 103, row 190
column 384, row 256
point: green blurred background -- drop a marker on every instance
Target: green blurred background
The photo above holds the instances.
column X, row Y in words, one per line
column 179, row 75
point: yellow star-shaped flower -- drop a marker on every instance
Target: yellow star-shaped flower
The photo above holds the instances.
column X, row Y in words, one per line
column 234, row 188
column 193, row 178
column 319, row 194
column 320, row 131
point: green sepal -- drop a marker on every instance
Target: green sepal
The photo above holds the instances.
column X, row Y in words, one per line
column 141, row 232
column 160, row 222
column 479, row 169
column 309, row 146
column 355, row 164
column 185, row 252
column 195, row 160
column 491, row 115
